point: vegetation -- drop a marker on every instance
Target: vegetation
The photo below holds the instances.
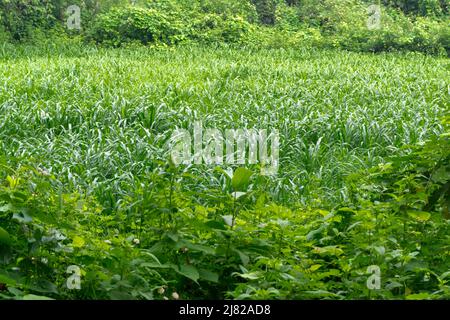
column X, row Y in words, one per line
column 87, row 181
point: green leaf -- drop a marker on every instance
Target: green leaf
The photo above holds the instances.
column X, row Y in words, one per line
column 198, row 247
column 156, row 265
column 188, row 271
column 241, row 178
column 314, row 267
column 35, row 297
column 119, row 295
column 4, row 237
column 380, row 250
column 419, row 296
column 214, row 224
column 321, row 293
column 44, row 286
column 7, row 280
column 244, row 258
column 421, row 216
column 394, row 284
column 209, row 275
column 329, row 250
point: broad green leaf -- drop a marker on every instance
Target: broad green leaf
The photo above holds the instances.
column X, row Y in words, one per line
column 44, row 286
column 156, row 265
column 35, row 297
column 421, row 216
column 5, row 239
column 244, row 258
column 419, row 296
column 198, row 247
column 208, row 275
column 214, row 224
column 329, row 250
column 188, row 271
column 380, row 249
column 394, row 284
column 321, row 293
column 7, row 280
column 5, row 208
column 314, row 267
column 241, row 178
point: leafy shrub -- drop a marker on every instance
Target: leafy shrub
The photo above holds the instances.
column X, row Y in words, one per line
column 344, row 24
column 266, row 11
column 284, row 37
column 287, row 16
column 21, row 18
column 217, row 28
column 420, row 7
column 196, row 8
column 136, row 24
column 231, row 8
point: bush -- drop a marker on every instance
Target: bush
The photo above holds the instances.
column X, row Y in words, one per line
column 344, row 24
column 231, row 8
column 266, row 11
column 196, row 8
column 287, row 16
column 420, row 7
column 21, row 18
column 284, row 38
column 213, row 28
column 136, row 24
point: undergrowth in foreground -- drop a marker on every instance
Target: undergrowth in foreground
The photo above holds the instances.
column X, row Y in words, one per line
column 86, row 178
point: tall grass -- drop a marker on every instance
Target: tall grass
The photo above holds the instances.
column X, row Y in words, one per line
column 99, row 119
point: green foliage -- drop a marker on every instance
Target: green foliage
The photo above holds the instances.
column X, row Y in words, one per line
column 344, row 24
column 119, row 26
column 21, row 18
column 266, row 11
column 420, row 7
column 412, row 25
column 85, row 179
column 197, row 8
column 136, row 24
column 217, row 28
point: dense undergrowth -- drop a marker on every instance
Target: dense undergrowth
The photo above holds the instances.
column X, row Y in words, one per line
column 213, row 245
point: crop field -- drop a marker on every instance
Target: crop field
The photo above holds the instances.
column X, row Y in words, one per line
column 88, row 180
column 100, row 120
